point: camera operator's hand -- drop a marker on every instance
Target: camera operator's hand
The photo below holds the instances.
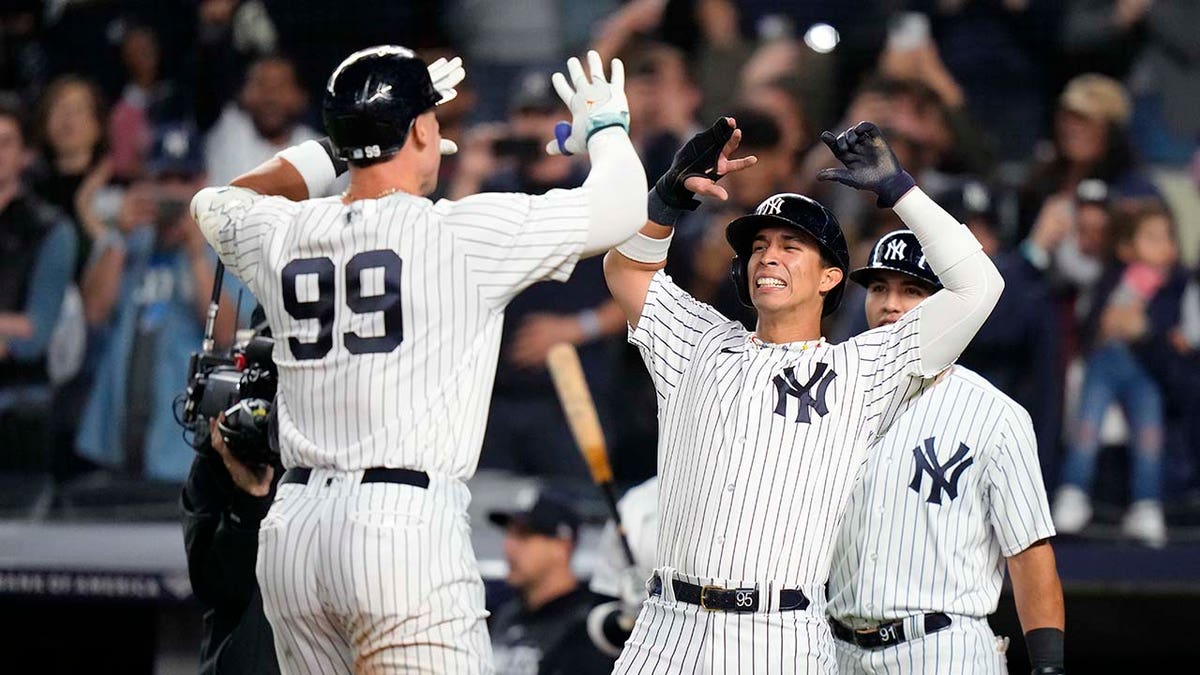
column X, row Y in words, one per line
column 255, row 480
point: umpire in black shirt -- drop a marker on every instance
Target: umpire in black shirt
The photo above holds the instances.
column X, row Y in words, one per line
column 543, row 630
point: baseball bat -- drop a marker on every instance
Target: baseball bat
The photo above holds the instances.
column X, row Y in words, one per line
column 580, row 410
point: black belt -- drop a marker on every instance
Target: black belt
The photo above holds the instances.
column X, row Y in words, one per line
column 376, row 475
column 885, row 633
column 715, row 598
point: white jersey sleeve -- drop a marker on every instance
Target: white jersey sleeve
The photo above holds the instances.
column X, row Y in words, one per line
column 1020, row 511
column 236, row 221
column 891, row 369
column 514, row 240
column 670, row 327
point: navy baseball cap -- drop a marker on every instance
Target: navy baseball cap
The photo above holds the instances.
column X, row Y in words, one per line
column 177, row 151
column 550, row 515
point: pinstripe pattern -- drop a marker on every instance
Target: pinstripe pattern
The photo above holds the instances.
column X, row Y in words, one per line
column 424, row 404
column 967, row 646
column 899, row 554
column 377, row 577
column 671, row 637
column 749, row 497
column 381, row 577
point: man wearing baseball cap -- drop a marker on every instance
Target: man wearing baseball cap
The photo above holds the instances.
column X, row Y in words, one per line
column 543, row 630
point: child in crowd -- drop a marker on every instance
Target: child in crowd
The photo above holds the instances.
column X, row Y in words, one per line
column 1135, row 311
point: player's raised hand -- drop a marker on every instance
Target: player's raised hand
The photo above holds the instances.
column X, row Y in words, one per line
column 700, row 163
column 445, row 76
column 870, row 163
column 595, row 103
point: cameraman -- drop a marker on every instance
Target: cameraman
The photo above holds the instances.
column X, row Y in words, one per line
column 227, row 493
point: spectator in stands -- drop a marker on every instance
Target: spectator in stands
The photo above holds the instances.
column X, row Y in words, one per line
column 38, row 247
column 526, row 431
column 543, row 630
column 229, row 35
column 1000, row 54
column 1090, row 141
column 70, row 130
column 265, row 119
column 1129, row 326
column 158, row 311
column 147, row 99
column 1154, row 42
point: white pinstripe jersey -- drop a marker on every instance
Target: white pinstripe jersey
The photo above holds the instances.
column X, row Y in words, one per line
column 754, row 466
column 953, row 487
column 387, row 314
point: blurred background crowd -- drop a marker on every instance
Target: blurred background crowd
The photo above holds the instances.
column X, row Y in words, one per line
column 1063, row 132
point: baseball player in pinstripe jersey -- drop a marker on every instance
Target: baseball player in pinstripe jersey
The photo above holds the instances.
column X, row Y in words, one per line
column 387, row 310
column 951, row 492
column 762, row 435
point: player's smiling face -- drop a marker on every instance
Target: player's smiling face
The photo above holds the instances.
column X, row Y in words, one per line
column 890, row 295
column 786, row 271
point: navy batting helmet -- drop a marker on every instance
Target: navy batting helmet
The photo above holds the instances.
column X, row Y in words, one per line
column 897, row 251
column 372, row 98
column 788, row 210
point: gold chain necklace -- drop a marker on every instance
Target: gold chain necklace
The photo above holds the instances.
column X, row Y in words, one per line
column 381, row 195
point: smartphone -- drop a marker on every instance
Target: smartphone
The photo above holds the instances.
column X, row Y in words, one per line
column 908, row 30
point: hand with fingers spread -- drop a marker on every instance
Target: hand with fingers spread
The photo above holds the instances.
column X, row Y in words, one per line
column 595, row 104
column 700, row 163
column 870, row 164
column 445, row 76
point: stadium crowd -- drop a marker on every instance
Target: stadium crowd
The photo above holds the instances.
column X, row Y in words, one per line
column 1062, row 133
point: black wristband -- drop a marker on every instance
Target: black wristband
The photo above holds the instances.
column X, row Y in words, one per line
column 892, row 188
column 1045, row 647
column 659, row 211
column 340, row 166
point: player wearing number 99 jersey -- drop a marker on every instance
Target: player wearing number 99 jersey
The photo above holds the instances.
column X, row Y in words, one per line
column 387, row 310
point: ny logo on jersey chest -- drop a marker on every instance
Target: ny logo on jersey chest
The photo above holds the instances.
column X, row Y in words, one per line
column 927, row 463
column 786, row 385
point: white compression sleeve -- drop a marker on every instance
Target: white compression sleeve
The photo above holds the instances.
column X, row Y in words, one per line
column 617, row 186
column 971, row 283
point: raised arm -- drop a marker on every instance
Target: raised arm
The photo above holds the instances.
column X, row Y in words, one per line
column 600, row 127
column 698, row 165
column 971, row 283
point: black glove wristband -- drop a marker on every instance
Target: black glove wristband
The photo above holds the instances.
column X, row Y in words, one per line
column 1045, row 647
column 892, row 188
column 697, row 157
column 340, row 166
column 659, row 211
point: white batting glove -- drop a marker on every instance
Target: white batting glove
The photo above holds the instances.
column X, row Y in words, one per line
column 446, row 75
column 595, row 104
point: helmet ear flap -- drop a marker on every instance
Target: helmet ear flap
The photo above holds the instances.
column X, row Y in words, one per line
column 737, row 270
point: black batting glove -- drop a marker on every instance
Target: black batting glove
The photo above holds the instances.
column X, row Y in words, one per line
column 870, row 164
column 697, row 157
column 1049, row 670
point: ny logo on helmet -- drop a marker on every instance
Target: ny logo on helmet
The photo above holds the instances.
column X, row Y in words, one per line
column 895, row 250
column 771, row 207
